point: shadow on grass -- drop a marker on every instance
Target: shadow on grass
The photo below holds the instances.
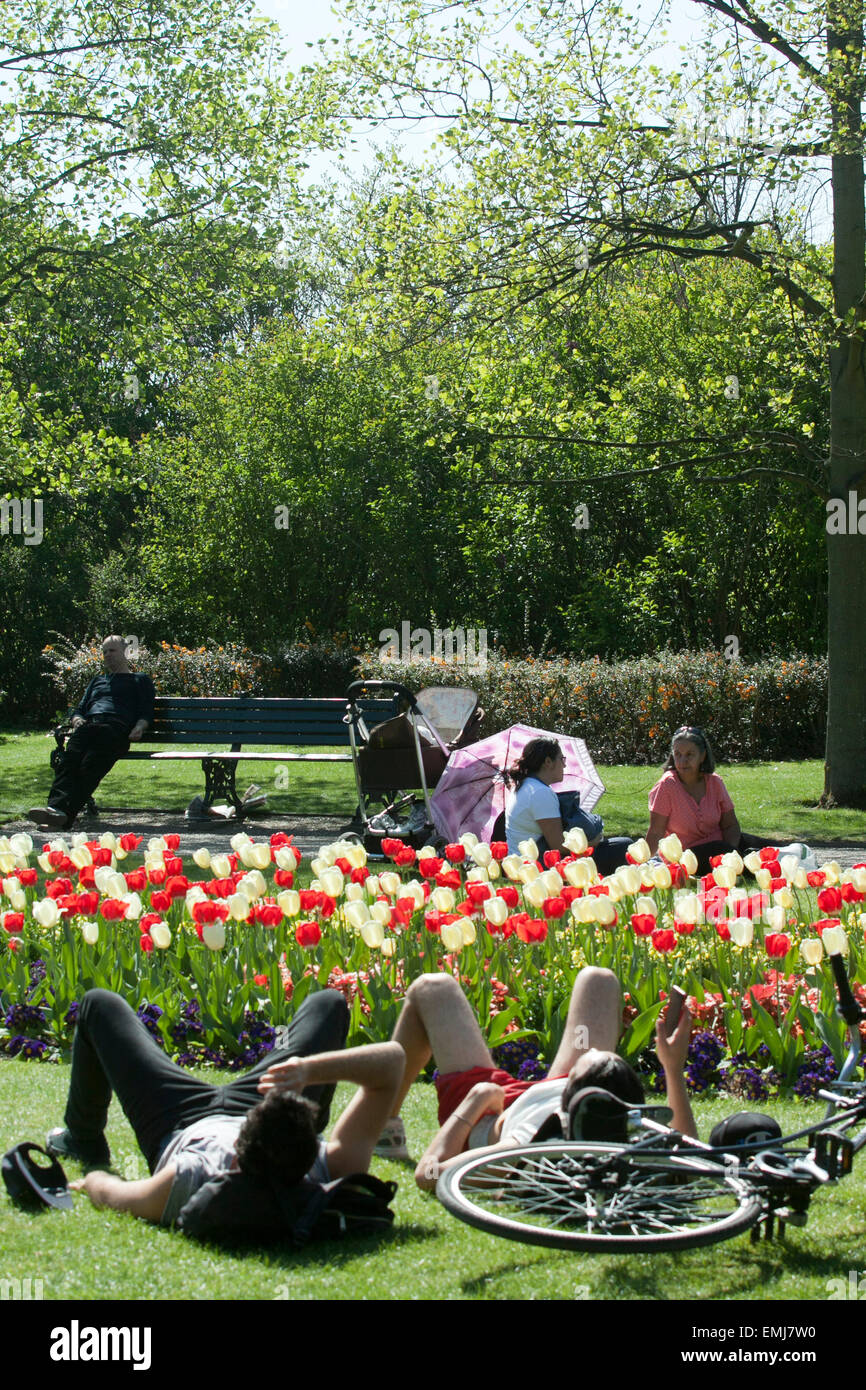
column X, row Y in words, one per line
column 330, row 1254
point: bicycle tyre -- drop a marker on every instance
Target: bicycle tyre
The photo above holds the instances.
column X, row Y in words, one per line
column 598, row 1197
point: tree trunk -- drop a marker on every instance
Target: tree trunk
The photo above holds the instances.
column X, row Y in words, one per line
column 845, row 769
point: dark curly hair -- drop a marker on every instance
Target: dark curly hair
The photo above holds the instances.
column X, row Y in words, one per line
column 609, row 1072
column 534, row 754
column 278, row 1138
column 699, row 738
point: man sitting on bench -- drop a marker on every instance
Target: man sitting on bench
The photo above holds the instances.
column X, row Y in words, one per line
column 481, row 1106
column 191, row 1131
column 116, row 708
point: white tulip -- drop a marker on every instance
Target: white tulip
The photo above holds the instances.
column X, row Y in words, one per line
column 220, row 866
column 332, row 883
column 776, row 918
column 575, row 840
column 812, row 951
column 642, row 905
column 640, row 852
column 535, row 893
column 327, row 855
column 390, row 883
column 661, row 876
column 579, row 874
column 467, row 926
column 742, row 930
column 452, row 936
column 372, row 934
column 835, row 941
column 90, row 932
column 832, row 873
column 284, row 859
column 160, row 936
column 783, row 898
column 496, row 911
column 8, row 862
column 81, row 856
column 479, row 874
column 443, row 899
column 583, row 909
column 21, row 843
column 356, row 914
column 108, row 840
column 481, row 854
column 724, row 876
column 529, row 872
column 732, row 860
column 468, row 841
column 763, row 879
column 18, row 900
column 389, row 946
column 671, row 848
column 42, row 860
column 289, row 902
column 789, row 864
column 196, row 894
column 605, row 912
column 687, row 907
column 239, row 907
column 355, row 893
column 552, row 881
column 381, row 912
column 529, row 850
column 156, row 845
column 493, row 869
column 371, row 886
column 134, row 906
column 858, row 879
column 753, row 862
column 511, row 866
column 628, row 877
column 46, row 912
column 201, row 857
column 214, row 935
column 239, row 840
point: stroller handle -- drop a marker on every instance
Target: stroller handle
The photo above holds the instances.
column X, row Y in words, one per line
column 357, row 687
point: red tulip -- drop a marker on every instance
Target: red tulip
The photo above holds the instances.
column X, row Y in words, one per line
column 664, row 940
column 308, row 933
column 777, row 943
column 642, row 923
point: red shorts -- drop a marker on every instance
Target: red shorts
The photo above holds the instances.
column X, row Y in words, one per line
column 454, row 1086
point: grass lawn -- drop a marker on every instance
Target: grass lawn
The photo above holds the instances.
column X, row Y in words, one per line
column 88, row 1254
column 772, row 799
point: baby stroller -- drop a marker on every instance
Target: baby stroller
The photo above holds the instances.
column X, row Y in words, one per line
column 404, row 753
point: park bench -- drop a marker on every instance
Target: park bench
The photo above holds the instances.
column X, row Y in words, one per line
column 242, row 721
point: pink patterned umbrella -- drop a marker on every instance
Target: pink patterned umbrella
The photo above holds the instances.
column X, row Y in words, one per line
column 471, row 792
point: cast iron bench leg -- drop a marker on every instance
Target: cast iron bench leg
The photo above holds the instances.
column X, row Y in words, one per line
column 219, row 780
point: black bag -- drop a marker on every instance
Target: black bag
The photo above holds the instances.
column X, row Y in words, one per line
column 236, row 1207
column 33, row 1184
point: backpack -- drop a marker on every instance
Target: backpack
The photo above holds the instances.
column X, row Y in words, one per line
column 235, row 1207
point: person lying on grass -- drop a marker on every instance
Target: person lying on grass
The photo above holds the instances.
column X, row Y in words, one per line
column 191, row 1131
column 481, row 1106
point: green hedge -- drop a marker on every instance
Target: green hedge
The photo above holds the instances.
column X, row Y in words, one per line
column 626, row 710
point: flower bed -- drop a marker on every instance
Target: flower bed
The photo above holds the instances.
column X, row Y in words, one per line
column 216, row 952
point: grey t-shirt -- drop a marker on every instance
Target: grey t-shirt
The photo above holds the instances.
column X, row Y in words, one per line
column 204, row 1150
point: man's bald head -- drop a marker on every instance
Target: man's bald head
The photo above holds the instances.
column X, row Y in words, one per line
column 114, row 653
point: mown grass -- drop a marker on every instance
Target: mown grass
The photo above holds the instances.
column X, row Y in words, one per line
column 772, row 799
column 92, row 1255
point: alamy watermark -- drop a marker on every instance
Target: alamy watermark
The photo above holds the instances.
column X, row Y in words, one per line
column 22, row 518
column 467, row 646
column 853, row 1287
column 846, row 518
column 15, row 1289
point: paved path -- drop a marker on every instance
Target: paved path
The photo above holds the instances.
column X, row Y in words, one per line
column 310, row 832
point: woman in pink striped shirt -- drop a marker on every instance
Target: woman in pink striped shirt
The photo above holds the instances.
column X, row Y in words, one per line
column 691, row 801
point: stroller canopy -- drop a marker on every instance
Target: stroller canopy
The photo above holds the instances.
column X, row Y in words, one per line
column 471, row 792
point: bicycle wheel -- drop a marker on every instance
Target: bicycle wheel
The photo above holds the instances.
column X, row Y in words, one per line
column 598, row 1197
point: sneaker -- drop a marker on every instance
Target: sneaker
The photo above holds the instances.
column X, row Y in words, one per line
column 49, row 815
column 93, row 1153
column 392, row 1142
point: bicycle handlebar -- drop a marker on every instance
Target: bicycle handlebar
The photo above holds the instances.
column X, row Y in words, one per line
column 849, row 1009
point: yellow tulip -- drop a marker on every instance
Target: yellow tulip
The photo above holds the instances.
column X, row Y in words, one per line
column 289, row 902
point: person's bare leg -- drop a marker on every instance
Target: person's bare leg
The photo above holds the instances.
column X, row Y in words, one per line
column 594, row 1018
column 437, row 1020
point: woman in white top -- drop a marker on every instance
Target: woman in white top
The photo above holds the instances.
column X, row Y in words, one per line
column 533, row 810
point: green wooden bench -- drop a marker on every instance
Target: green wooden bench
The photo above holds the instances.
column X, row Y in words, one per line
column 243, row 722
